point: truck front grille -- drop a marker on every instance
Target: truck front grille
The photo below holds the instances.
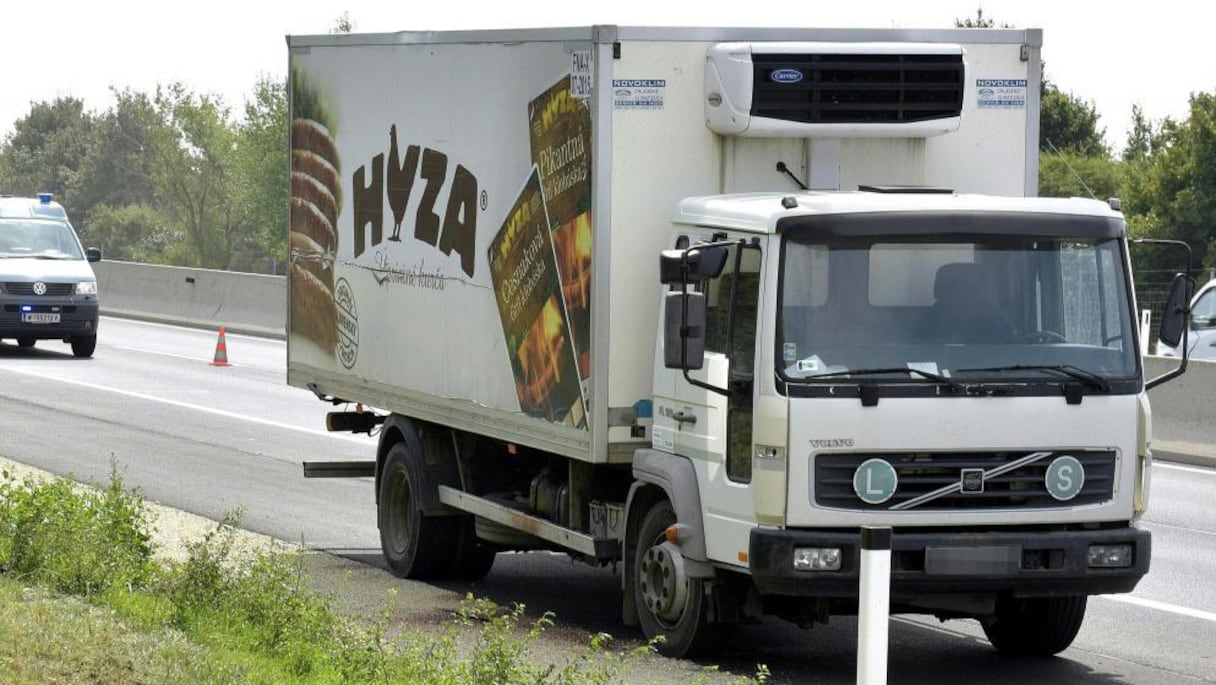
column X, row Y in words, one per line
column 922, row 473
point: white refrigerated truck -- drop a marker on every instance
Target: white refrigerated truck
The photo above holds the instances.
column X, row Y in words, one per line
column 699, row 303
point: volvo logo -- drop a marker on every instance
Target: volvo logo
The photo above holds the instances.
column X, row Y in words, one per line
column 39, row 288
column 786, row 76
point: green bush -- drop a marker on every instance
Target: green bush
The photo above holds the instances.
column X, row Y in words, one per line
column 74, row 540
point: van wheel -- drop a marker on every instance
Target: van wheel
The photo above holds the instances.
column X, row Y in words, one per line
column 26, row 341
column 1036, row 626
column 83, row 345
column 671, row 605
column 415, row 545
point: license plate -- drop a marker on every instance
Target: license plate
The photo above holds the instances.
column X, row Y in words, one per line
column 973, row 561
column 39, row 317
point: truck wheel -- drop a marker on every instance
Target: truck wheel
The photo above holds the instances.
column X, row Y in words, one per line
column 83, row 345
column 415, row 545
column 671, row 606
column 474, row 557
column 25, row 341
column 1037, row 626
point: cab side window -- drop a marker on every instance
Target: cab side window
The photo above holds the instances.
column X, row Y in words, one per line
column 732, row 301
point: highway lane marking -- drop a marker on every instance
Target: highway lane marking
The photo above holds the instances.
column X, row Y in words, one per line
column 194, row 329
column 1182, row 528
column 1163, row 606
column 193, row 358
column 1188, row 469
column 187, row 405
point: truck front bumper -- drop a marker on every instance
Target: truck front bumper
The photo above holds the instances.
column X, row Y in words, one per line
column 1021, row 564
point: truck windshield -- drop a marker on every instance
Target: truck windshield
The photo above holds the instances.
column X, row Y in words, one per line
column 966, row 308
column 38, row 239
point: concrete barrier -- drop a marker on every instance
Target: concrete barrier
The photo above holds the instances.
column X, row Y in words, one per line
column 1184, row 410
column 205, row 298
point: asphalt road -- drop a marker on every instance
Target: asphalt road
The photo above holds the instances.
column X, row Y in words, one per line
column 212, row 440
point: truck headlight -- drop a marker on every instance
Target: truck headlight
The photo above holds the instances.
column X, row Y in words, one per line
column 86, row 288
column 1110, row 556
column 817, row 559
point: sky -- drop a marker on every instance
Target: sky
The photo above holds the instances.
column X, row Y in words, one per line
column 1113, row 54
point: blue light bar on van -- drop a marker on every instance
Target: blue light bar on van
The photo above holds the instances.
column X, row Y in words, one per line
column 44, row 198
column 26, row 308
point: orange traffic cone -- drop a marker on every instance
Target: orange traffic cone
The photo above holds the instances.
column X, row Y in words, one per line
column 221, row 351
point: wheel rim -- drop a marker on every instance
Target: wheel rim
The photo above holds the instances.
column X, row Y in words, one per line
column 663, row 583
column 397, row 523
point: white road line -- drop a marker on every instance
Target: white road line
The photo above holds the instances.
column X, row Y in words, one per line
column 1181, row 528
column 141, row 350
column 1188, row 469
column 187, row 405
column 194, row 329
column 1162, row 606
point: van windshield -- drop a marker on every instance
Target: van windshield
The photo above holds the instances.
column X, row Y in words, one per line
column 980, row 307
column 38, row 239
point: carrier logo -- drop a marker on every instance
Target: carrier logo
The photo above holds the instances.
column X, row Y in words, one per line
column 348, row 323
column 39, row 288
column 786, row 76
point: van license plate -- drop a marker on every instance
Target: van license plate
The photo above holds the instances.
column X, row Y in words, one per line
column 40, row 317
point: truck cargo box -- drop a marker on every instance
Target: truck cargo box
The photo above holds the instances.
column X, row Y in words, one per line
column 475, row 216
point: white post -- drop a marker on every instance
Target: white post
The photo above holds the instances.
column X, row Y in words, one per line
column 874, row 605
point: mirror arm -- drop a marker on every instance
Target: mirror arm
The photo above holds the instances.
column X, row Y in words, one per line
column 1186, row 249
column 684, row 344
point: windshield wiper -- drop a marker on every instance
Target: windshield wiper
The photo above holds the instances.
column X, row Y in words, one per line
column 1076, row 373
column 937, row 378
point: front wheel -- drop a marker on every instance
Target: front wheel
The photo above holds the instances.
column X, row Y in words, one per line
column 1035, row 626
column 671, row 606
column 83, row 345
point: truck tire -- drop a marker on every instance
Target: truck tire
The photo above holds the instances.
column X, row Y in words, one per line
column 1036, row 626
column 26, row 341
column 474, row 557
column 677, row 615
column 415, row 545
column 83, row 345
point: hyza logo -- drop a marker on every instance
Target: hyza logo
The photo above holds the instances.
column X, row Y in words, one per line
column 453, row 231
column 348, row 323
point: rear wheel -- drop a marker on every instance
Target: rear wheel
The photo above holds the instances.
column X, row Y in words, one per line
column 671, row 605
column 83, row 345
column 1035, row 626
column 415, row 545
column 474, row 557
column 26, row 341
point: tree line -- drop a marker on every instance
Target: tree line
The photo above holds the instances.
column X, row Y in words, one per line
column 175, row 177
column 168, row 177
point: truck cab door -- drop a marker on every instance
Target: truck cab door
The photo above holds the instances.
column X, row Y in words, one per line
column 711, row 429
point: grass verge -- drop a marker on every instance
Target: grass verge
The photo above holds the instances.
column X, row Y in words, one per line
column 82, row 600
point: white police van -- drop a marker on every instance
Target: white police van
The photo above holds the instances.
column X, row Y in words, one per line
column 48, row 290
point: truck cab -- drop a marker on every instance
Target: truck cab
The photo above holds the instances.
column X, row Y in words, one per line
column 960, row 368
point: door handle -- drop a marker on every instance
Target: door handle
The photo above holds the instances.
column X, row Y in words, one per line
column 682, row 418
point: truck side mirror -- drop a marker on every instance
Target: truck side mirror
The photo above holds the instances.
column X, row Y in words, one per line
column 93, row 254
column 692, row 265
column 684, row 330
column 1176, row 316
